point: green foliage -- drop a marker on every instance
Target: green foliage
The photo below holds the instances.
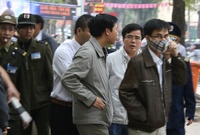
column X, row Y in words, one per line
column 192, row 4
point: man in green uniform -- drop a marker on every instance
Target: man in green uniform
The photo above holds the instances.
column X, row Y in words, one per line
column 36, row 77
column 10, row 62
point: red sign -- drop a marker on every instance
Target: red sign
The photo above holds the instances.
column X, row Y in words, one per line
column 99, row 8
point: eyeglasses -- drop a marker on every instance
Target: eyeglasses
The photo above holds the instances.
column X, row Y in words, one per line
column 4, row 28
column 160, row 37
column 130, row 37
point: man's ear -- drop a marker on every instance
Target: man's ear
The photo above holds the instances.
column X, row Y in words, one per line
column 40, row 24
column 147, row 38
column 79, row 30
column 107, row 31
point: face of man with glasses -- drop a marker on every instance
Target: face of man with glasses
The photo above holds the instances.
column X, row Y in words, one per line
column 158, row 41
column 132, row 42
column 6, row 33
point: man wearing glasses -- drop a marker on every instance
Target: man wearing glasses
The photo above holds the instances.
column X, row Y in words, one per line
column 145, row 90
column 116, row 64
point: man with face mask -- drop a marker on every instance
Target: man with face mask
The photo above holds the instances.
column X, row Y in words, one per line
column 145, row 90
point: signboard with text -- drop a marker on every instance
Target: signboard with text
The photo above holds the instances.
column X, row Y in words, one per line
column 54, row 11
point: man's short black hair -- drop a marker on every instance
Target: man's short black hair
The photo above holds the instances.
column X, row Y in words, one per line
column 100, row 23
column 82, row 22
column 39, row 19
column 132, row 27
column 155, row 24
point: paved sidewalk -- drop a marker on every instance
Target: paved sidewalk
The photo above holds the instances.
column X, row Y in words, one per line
column 194, row 128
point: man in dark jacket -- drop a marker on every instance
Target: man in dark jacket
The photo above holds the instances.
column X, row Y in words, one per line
column 145, row 90
column 42, row 36
column 183, row 98
column 36, row 75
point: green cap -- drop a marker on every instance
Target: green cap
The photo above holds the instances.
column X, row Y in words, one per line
column 7, row 19
column 26, row 18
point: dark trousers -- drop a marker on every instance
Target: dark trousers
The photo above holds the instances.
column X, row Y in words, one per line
column 14, row 127
column 118, row 129
column 41, row 118
column 176, row 131
column 61, row 120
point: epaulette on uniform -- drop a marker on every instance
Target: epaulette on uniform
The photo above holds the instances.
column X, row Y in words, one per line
column 20, row 51
column 46, row 43
column 42, row 42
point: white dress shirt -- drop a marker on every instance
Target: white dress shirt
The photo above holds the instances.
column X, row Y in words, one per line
column 39, row 36
column 159, row 63
column 62, row 59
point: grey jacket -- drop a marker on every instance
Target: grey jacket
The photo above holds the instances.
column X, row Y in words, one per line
column 140, row 93
column 86, row 78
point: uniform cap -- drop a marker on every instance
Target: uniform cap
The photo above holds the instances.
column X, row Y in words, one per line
column 26, row 18
column 7, row 19
column 174, row 29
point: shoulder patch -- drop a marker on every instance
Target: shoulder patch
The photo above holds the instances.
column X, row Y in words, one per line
column 20, row 51
column 46, row 43
column 43, row 42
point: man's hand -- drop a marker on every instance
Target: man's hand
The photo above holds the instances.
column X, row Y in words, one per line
column 189, row 121
column 25, row 125
column 172, row 48
column 6, row 131
column 99, row 103
column 12, row 92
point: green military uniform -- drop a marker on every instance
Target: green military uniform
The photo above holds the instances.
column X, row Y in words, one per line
column 11, row 63
column 9, row 60
column 36, row 76
column 37, row 70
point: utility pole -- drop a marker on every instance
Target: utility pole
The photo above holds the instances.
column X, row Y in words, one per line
column 82, row 7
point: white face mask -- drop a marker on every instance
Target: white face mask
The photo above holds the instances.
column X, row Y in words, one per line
column 159, row 46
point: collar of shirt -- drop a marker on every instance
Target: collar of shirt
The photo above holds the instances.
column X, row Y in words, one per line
column 156, row 59
column 73, row 42
column 39, row 36
column 126, row 56
column 97, row 47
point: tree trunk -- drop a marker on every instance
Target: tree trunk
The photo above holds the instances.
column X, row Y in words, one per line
column 178, row 17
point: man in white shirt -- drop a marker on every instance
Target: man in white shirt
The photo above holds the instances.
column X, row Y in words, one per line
column 61, row 107
column 116, row 66
column 43, row 37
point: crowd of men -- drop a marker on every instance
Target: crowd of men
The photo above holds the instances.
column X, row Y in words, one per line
column 77, row 88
